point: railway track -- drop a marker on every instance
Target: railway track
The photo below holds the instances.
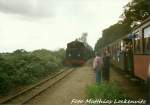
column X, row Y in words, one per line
column 28, row 94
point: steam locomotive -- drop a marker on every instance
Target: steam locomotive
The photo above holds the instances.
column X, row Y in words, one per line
column 77, row 53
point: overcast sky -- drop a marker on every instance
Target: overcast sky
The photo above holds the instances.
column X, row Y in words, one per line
column 51, row 24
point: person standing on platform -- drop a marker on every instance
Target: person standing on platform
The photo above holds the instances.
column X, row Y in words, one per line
column 97, row 63
column 106, row 62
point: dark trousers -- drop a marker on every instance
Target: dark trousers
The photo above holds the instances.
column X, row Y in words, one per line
column 106, row 73
column 98, row 76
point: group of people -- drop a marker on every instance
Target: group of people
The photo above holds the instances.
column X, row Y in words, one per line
column 101, row 66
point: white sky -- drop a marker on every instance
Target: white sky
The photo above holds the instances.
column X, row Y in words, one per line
column 51, row 24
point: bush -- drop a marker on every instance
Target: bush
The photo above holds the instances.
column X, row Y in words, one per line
column 22, row 67
column 5, row 83
column 23, row 78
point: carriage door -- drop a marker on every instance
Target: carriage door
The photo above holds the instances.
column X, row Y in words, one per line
column 129, row 55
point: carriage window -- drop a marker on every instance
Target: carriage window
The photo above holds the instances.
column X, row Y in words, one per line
column 138, row 43
column 147, row 40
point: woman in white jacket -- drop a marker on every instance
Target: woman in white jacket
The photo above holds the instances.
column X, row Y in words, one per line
column 97, row 63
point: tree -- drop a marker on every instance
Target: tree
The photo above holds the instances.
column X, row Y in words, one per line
column 112, row 33
column 136, row 11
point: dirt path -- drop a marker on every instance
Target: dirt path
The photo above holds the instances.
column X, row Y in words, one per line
column 72, row 87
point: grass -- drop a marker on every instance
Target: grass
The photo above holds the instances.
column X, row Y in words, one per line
column 105, row 91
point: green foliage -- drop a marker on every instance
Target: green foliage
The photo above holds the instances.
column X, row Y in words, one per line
column 134, row 12
column 22, row 67
column 5, row 76
column 105, row 91
column 111, row 34
column 5, row 83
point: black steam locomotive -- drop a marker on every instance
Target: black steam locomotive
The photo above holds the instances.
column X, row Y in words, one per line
column 77, row 53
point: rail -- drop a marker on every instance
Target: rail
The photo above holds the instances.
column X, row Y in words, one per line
column 33, row 91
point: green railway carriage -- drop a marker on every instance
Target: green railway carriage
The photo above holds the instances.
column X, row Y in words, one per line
column 121, row 52
column 132, row 52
